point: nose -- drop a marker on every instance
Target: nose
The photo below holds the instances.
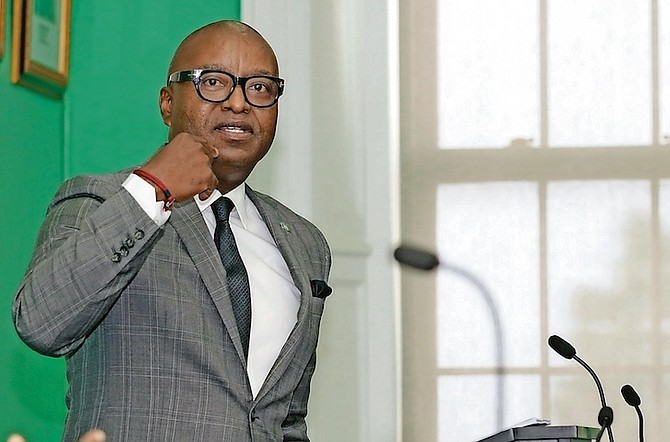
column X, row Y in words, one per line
column 236, row 102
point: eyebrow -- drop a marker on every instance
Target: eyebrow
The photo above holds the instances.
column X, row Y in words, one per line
column 219, row 67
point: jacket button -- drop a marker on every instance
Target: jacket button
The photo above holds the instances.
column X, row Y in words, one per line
column 129, row 242
column 116, row 257
column 139, row 234
column 123, row 250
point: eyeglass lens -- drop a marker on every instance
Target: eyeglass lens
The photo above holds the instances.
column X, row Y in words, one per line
column 218, row 86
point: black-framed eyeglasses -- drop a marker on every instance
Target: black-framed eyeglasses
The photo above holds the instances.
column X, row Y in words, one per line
column 217, row 86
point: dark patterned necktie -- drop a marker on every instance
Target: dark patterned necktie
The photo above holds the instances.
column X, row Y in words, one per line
column 238, row 279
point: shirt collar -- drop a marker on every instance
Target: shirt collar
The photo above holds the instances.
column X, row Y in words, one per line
column 238, row 196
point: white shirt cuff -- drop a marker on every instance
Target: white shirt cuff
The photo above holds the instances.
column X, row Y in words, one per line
column 145, row 195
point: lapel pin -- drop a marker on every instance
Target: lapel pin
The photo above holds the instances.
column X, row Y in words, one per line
column 284, row 226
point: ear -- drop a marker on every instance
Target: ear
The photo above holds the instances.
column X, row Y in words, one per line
column 165, row 105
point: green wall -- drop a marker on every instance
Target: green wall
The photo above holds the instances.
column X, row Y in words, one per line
column 107, row 120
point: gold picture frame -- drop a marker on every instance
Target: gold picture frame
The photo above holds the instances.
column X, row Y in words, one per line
column 2, row 27
column 41, row 45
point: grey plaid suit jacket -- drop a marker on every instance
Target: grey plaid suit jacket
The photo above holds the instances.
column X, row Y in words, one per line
column 143, row 318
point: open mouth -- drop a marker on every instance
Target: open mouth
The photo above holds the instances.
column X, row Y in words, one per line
column 234, row 128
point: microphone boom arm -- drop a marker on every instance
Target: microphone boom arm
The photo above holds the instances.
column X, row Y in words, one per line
column 601, row 392
column 497, row 330
column 594, row 376
column 422, row 260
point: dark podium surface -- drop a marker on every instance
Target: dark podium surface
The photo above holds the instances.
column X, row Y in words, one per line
column 545, row 433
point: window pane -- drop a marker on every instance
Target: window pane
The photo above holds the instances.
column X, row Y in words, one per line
column 599, row 269
column 488, row 74
column 489, row 230
column 467, row 405
column 575, row 400
column 664, row 215
column 599, row 72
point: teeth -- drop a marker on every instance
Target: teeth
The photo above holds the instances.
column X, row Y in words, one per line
column 233, row 129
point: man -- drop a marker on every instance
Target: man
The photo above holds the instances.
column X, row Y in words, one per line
column 130, row 278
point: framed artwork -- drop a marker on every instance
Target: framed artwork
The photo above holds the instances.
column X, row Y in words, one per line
column 41, row 45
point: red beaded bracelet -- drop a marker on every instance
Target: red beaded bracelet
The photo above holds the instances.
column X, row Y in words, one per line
column 169, row 199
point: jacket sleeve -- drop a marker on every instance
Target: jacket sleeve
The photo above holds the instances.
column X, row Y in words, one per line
column 90, row 246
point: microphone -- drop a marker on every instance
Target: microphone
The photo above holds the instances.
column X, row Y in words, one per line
column 633, row 399
column 606, row 414
column 416, row 258
column 423, row 260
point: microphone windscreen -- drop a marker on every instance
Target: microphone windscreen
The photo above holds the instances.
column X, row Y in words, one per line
column 605, row 416
column 416, row 258
column 630, row 396
column 562, row 347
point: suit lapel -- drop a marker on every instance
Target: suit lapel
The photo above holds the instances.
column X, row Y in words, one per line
column 190, row 226
column 287, row 247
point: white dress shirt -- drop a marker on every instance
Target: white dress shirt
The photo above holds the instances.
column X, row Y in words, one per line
column 274, row 297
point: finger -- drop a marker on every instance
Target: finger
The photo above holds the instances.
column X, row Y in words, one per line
column 211, row 152
column 214, row 181
column 197, row 138
column 94, row 436
column 206, row 194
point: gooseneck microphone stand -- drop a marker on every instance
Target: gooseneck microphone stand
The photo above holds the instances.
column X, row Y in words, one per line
column 423, row 260
column 633, row 399
column 606, row 414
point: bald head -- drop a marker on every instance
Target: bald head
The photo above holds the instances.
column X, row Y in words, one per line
column 240, row 131
column 216, row 30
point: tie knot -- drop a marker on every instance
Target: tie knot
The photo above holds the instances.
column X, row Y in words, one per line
column 222, row 208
